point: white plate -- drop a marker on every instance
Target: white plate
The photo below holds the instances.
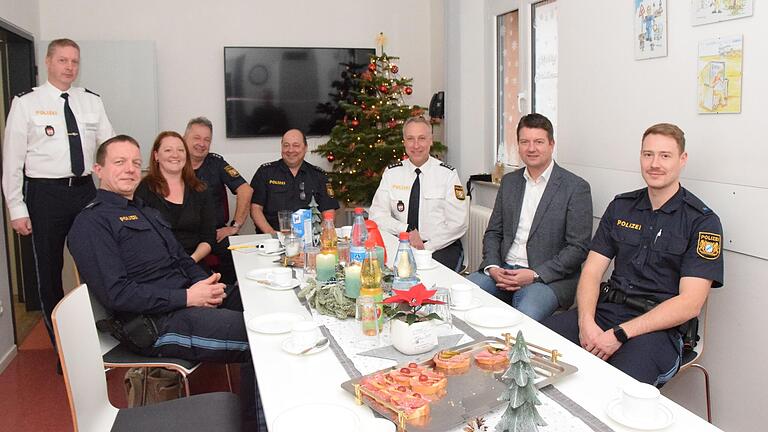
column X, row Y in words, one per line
column 274, row 323
column 271, row 254
column 316, row 417
column 290, row 348
column 475, row 303
column 493, row 317
column 432, row 265
column 664, row 417
column 261, row 275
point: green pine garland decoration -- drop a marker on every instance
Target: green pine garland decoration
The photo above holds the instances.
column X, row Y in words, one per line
column 370, row 135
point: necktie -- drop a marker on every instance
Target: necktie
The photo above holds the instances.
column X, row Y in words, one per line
column 73, row 133
column 413, row 203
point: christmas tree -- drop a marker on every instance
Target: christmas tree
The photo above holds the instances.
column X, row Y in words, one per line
column 316, row 221
column 370, row 135
column 521, row 414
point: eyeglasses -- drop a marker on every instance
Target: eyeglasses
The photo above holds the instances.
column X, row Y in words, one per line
column 302, row 195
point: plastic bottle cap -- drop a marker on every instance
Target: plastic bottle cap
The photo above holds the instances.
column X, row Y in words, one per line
column 328, row 215
column 405, row 236
column 358, row 210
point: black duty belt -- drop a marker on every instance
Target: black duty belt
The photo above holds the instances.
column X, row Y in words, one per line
column 66, row 181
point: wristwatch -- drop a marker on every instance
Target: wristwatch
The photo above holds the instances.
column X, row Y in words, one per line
column 235, row 224
column 536, row 277
column 620, row 334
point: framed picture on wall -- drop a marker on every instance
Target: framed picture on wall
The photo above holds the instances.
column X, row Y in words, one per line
column 719, row 75
column 650, row 29
column 711, row 11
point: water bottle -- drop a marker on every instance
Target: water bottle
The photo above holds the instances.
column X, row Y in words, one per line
column 404, row 265
column 358, row 238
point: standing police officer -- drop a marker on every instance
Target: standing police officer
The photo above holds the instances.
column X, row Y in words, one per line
column 667, row 247
column 218, row 175
column 51, row 136
column 288, row 184
column 424, row 197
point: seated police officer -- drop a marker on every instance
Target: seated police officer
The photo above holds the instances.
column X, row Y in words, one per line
column 133, row 264
column 667, row 249
column 424, row 197
column 288, row 184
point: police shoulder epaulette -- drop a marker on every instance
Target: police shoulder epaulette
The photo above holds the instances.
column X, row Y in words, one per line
column 216, row 155
column 266, row 164
column 92, row 204
column 632, row 194
column 445, row 165
column 92, row 92
column 315, row 167
column 395, row 165
column 25, row 92
column 694, row 201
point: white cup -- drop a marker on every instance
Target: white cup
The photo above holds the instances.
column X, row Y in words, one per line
column 423, row 258
column 304, row 334
column 280, row 276
column 269, row 245
column 639, row 402
column 461, row 295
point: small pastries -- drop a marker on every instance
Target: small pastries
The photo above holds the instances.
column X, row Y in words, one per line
column 492, row 356
column 429, row 382
column 406, row 373
column 452, row 362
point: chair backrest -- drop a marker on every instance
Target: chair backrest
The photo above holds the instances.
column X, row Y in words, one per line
column 81, row 361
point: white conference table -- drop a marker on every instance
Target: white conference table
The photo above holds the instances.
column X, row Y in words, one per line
column 286, row 380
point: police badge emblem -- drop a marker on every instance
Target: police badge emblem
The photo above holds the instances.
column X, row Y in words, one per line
column 708, row 245
column 49, row 130
column 459, row 192
column 231, row 171
column 400, row 206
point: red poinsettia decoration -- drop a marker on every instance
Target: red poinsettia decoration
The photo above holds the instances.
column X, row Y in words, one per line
column 406, row 304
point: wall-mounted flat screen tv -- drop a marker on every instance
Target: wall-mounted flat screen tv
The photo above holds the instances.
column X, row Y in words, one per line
column 270, row 90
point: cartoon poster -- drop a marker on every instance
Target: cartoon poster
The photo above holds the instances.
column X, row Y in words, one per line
column 719, row 75
column 650, row 35
column 710, row 11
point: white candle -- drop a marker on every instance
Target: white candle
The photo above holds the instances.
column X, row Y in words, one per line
column 326, row 267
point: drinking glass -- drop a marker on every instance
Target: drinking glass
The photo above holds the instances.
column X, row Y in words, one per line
column 366, row 323
column 443, row 310
column 310, row 261
column 342, row 248
column 284, row 218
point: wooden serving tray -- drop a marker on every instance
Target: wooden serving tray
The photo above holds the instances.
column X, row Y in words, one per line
column 469, row 394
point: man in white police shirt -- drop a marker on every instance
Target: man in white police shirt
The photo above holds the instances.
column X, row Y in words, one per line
column 51, row 136
column 424, row 197
column 667, row 249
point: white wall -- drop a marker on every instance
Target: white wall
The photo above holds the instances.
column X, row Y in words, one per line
column 23, row 16
column 190, row 37
column 606, row 100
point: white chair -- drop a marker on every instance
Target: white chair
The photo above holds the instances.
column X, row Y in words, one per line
column 691, row 358
column 83, row 367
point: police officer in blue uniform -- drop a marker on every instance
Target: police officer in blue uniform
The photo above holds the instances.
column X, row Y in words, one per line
column 218, row 175
column 51, row 135
column 288, row 184
column 133, row 264
column 667, row 249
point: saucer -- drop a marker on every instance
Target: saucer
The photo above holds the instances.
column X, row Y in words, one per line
column 271, row 254
column 473, row 304
column 260, row 276
column 432, row 265
column 664, row 417
column 274, row 323
column 291, row 349
column 493, row 317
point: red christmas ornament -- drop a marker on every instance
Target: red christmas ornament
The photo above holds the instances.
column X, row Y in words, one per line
column 383, row 88
column 330, row 157
column 394, row 69
column 362, row 105
column 408, row 90
column 355, row 122
column 372, row 67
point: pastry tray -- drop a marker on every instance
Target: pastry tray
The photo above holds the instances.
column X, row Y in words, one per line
column 468, row 395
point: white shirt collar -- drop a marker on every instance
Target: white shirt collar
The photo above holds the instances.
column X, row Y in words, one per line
column 544, row 176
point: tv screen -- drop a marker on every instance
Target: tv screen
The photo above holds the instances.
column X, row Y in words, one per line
column 271, row 90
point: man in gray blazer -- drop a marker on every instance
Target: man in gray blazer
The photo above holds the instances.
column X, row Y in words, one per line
column 539, row 231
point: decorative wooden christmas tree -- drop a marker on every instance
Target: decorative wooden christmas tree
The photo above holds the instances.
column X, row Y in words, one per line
column 521, row 414
column 316, row 221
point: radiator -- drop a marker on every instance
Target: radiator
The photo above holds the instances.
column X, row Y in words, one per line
column 478, row 221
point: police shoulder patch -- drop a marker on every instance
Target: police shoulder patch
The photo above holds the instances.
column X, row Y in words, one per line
column 329, row 190
column 709, row 245
column 92, row 92
column 445, row 165
column 395, row 165
column 458, row 190
column 25, row 92
column 231, row 171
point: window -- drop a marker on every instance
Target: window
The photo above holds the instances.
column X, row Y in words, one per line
column 526, row 80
